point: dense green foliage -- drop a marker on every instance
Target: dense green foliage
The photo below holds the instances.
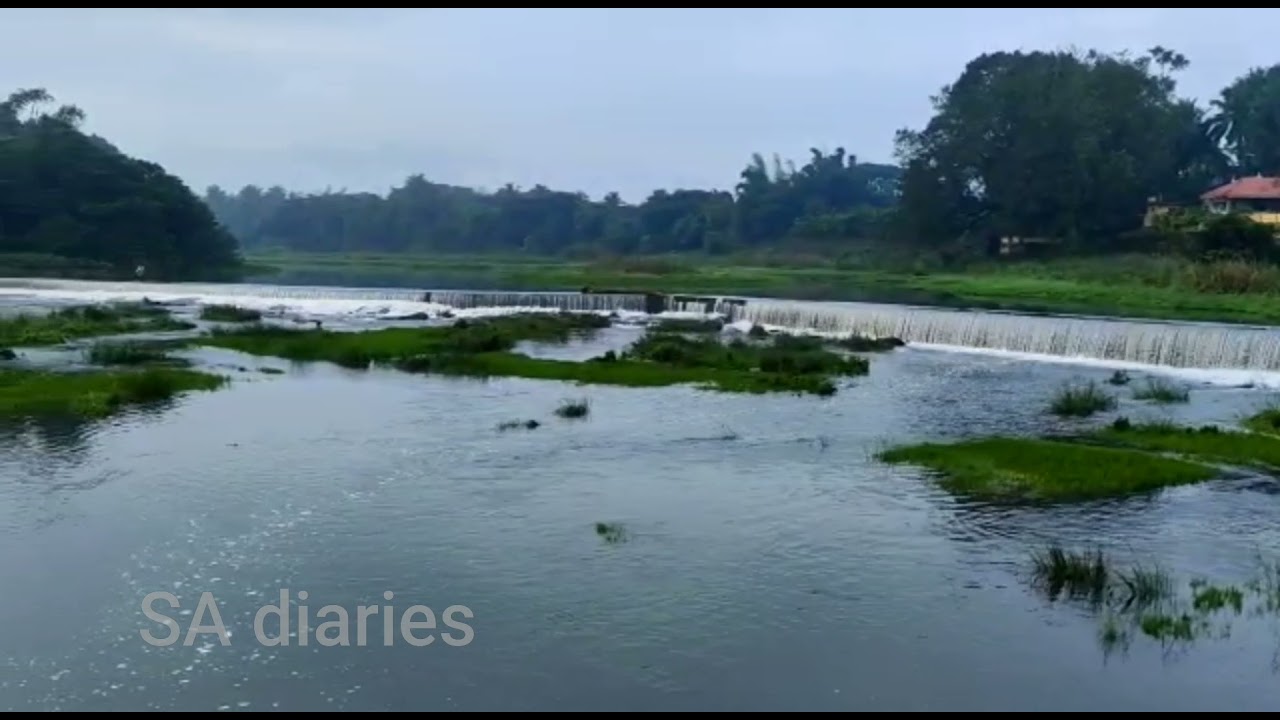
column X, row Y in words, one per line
column 1059, row 145
column 831, row 196
column 73, row 204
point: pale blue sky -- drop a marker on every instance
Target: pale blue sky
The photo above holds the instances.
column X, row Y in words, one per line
column 592, row 99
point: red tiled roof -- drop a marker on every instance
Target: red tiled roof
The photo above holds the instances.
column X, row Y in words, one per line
column 1250, row 188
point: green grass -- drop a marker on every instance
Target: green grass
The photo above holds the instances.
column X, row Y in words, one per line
column 129, row 353
column 484, row 349
column 1208, row 443
column 1133, row 286
column 1046, row 470
column 1145, row 600
column 66, row 324
column 25, row 393
column 1162, row 391
column 229, row 313
column 1081, row 400
column 1267, row 421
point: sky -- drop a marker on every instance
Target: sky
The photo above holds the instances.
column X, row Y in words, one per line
column 595, row 100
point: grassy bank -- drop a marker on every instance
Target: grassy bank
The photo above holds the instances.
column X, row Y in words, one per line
column 1136, row 286
column 484, row 348
column 94, row 394
column 87, row 321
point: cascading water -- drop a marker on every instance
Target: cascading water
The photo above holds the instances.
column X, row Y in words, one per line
column 575, row 302
column 1181, row 345
column 213, row 292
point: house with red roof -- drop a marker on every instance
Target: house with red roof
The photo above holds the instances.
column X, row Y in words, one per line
column 1257, row 197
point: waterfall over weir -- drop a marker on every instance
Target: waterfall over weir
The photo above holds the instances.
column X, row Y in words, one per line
column 1181, row 345
column 459, row 299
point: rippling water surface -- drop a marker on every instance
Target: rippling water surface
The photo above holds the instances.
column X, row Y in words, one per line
column 768, row 561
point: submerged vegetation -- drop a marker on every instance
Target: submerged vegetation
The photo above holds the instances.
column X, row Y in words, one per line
column 1145, row 599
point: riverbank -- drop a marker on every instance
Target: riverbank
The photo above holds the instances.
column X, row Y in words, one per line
column 1124, row 286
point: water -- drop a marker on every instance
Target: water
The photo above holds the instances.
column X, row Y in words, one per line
column 769, row 562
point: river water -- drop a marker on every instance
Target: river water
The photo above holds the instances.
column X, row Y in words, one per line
column 767, row 560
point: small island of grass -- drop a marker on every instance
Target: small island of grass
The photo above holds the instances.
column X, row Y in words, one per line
column 1046, row 470
column 25, row 393
column 484, row 348
column 72, row 323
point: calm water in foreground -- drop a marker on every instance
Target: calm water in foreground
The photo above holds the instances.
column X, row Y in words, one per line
column 769, row 562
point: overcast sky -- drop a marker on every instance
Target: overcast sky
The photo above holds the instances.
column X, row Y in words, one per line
column 593, row 100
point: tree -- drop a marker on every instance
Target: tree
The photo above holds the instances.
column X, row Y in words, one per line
column 1062, row 145
column 68, row 196
column 1247, row 121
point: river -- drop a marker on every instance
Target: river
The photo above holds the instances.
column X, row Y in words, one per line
column 766, row 560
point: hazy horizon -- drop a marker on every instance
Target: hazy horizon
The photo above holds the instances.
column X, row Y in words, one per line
column 592, row 99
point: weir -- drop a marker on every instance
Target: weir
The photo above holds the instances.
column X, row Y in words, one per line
column 459, row 299
column 1183, row 345
column 1172, row 344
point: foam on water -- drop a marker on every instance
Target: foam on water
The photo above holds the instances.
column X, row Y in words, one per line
column 321, row 301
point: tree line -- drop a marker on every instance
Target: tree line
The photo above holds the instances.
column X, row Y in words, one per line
column 1069, row 146
column 73, row 203
column 1065, row 145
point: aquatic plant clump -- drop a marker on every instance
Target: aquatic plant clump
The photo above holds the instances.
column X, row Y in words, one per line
column 1081, row 400
column 229, row 313
column 71, row 323
column 26, row 393
column 129, row 353
column 1046, row 470
column 1162, row 391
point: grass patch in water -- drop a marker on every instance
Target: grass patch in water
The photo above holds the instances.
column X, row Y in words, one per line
column 1208, row 443
column 229, row 313
column 1162, row 391
column 1146, row 601
column 611, row 533
column 25, row 393
column 574, row 409
column 483, row 349
column 66, row 324
column 359, row 349
column 1081, row 400
column 1047, row 470
column 129, row 353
